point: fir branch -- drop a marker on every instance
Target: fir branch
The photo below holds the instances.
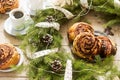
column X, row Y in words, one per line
column 100, row 2
column 112, row 22
column 106, row 6
column 82, row 70
column 88, row 71
column 40, row 68
column 75, row 8
column 41, row 15
column 103, row 3
column 33, row 39
column 107, row 10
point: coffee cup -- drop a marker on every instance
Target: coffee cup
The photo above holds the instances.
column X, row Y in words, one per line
column 17, row 18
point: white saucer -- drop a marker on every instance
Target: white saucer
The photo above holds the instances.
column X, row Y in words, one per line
column 19, row 63
column 8, row 27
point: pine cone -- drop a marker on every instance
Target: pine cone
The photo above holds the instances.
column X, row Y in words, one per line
column 47, row 39
column 56, row 65
column 50, row 19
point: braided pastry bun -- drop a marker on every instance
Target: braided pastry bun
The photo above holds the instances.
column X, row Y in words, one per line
column 8, row 56
column 78, row 28
column 108, row 47
column 86, row 46
column 7, row 5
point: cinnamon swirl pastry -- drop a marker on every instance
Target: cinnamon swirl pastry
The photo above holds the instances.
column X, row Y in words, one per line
column 86, row 45
column 78, row 28
column 108, row 47
column 8, row 56
column 7, row 5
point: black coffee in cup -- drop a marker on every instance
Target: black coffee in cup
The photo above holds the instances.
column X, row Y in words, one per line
column 18, row 14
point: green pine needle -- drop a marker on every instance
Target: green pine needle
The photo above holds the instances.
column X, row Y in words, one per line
column 39, row 69
column 112, row 22
column 82, row 70
column 32, row 39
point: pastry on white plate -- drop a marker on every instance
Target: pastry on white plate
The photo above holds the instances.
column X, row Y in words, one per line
column 9, row 56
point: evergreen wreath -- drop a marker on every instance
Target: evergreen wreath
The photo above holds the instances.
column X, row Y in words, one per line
column 40, row 68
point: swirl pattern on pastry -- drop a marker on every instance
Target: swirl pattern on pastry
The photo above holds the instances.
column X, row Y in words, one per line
column 8, row 56
column 7, row 5
column 86, row 45
column 107, row 47
column 78, row 28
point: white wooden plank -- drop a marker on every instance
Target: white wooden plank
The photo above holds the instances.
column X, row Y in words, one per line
column 63, row 31
column 12, row 74
column 10, row 78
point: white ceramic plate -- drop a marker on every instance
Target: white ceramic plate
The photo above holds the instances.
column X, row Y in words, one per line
column 19, row 63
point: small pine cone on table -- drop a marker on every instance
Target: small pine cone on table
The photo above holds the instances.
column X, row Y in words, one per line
column 47, row 39
column 56, row 65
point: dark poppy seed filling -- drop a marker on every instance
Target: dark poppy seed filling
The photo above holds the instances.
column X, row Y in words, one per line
column 8, row 56
column 5, row 54
column 86, row 45
column 79, row 28
column 107, row 48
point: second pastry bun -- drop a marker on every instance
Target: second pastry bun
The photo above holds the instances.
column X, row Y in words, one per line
column 86, row 45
